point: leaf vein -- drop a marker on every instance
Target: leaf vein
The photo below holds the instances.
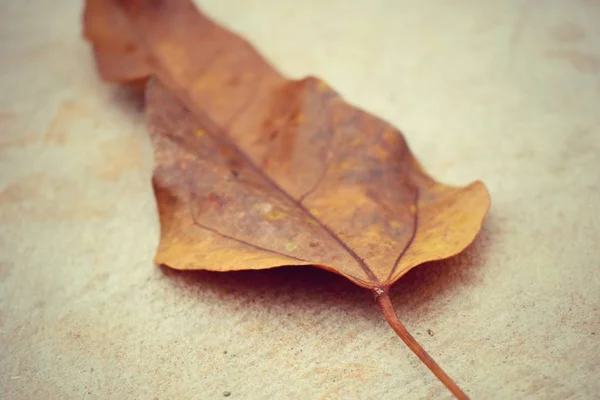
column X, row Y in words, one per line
column 412, row 237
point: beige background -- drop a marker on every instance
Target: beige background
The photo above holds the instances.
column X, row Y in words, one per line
column 506, row 91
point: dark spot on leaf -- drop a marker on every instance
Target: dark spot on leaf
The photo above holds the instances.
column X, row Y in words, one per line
column 376, row 172
column 234, row 80
column 212, row 197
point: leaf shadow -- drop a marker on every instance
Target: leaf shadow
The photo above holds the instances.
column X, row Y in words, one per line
column 418, row 293
column 305, row 291
column 130, row 98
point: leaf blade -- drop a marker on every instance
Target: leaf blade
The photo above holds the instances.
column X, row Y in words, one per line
column 354, row 176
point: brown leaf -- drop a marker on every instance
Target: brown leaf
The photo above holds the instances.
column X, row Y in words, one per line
column 255, row 171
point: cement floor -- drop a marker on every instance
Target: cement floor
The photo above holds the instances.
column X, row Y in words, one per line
column 507, row 92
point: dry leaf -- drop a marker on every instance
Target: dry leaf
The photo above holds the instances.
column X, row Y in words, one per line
column 255, row 171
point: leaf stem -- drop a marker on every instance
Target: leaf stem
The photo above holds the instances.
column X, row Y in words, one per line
column 385, row 304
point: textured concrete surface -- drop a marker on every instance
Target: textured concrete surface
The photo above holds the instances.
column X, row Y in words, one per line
column 507, row 92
